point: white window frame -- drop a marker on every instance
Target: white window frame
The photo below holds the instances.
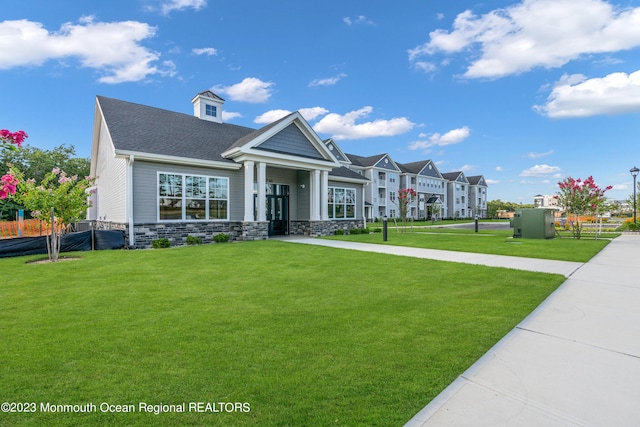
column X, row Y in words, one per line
column 331, row 203
column 183, row 197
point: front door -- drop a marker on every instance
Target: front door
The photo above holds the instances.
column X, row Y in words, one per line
column 278, row 209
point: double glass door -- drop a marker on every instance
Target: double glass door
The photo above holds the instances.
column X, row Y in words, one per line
column 277, row 206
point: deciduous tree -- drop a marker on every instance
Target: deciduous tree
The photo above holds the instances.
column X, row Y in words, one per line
column 579, row 199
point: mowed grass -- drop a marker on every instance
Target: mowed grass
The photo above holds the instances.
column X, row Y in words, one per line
column 305, row 335
column 497, row 242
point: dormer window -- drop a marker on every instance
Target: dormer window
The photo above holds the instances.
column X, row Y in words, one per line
column 211, row 110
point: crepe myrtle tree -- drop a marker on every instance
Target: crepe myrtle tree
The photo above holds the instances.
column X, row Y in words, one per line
column 579, row 199
column 10, row 141
column 59, row 201
column 405, row 198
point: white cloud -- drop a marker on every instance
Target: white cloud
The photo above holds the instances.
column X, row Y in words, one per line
column 577, row 96
column 229, row 115
column 313, row 113
column 622, row 187
column 330, row 81
column 250, row 90
column 166, row 7
column 535, row 33
column 468, row 168
column 345, row 126
column 271, row 116
column 492, row 181
column 427, row 67
column 454, row 136
column 527, row 182
column 533, row 155
column 112, row 48
column 541, row 171
column 209, row 51
column 361, row 19
column 499, row 168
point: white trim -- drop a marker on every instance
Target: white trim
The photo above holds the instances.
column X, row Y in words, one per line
column 314, row 195
column 129, row 200
column 324, row 190
column 239, row 154
column 184, row 198
column 248, row 191
column 161, row 158
column 261, row 193
column 284, row 160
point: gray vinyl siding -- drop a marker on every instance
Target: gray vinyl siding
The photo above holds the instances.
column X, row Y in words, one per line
column 303, row 196
column 111, row 174
column 145, row 188
column 358, row 188
column 291, row 140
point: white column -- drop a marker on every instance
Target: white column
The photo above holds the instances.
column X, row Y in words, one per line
column 248, row 191
column 262, row 197
column 324, row 192
column 314, row 194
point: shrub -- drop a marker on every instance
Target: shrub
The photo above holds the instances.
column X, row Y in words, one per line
column 221, row 238
column 193, row 240
column 338, row 232
column 377, row 230
column 359, row 231
column 160, row 243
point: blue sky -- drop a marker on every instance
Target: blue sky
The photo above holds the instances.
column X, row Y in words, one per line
column 524, row 93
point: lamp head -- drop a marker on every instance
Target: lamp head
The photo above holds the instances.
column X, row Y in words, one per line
column 634, row 171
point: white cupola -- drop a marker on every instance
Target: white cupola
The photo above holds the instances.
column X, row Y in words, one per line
column 208, row 106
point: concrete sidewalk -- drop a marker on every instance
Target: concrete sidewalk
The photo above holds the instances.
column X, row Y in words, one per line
column 565, row 268
column 574, row 361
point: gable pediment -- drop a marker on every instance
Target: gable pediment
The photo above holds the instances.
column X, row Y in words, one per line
column 291, row 140
column 430, row 170
column 386, row 163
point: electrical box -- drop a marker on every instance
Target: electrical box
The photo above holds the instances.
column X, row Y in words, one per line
column 533, row 223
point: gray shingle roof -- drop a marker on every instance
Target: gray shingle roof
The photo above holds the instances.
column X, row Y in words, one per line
column 413, row 167
column 474, row 180
column 344, row 172
column 364, row 161
column 139, row 128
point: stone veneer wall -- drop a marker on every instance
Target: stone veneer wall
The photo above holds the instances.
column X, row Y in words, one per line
column 323, row 228
column 177, row 232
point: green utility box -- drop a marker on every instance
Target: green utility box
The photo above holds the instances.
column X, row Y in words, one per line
column 533, row 223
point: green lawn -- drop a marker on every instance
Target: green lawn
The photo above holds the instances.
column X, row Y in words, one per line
column 305, row 335
column 498, row 242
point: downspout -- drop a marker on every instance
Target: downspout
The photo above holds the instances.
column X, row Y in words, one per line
column 129, row 200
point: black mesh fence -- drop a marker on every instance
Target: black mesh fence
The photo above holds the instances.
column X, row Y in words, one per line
column 72, row 242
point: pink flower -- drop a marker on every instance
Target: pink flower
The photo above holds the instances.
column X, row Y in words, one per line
column 16, row 138
column 55, row 171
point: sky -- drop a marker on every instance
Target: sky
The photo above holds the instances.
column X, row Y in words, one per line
column 524, row 93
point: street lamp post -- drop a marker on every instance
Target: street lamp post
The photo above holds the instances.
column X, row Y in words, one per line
column 634, row 173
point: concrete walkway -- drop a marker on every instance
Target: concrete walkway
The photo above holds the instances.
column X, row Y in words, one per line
column 575, row 361
column 565, row 268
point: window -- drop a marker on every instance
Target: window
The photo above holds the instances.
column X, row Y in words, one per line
column 392, row 177
column 392, row 196
column 192, row 197
column 341, row 203
column 211, row 110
